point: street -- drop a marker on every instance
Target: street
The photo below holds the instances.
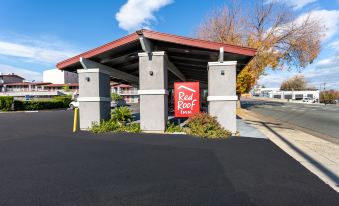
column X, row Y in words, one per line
column 314, row 117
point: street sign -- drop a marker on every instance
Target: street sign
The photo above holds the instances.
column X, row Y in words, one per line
column 27, row 97
column 186, row 99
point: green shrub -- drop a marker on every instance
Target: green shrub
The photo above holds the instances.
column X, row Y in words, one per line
column 116, row 97
column 122, row 114
column 105, row 126
column 114, row 126
column 6, row 103
column 171, row 128
column 64, row 99
column 204, row 125
column 38, row 105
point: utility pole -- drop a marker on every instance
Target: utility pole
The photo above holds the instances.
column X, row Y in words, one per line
column 324, row 86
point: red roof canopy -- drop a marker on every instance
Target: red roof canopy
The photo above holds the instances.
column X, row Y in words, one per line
column 187, row 54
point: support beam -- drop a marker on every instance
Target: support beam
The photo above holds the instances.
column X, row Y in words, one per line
column 221, row 55
column 172, row 68
column 94, row 97
column 222, row 97
column 153, row 91
column 87, row 64
column 146, row 44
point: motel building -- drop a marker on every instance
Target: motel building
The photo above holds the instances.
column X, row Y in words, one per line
column 156, row 63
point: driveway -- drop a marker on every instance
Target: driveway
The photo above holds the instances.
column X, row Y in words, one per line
column 43, row 163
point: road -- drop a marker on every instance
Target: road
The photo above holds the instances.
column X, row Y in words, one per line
column 316, row 118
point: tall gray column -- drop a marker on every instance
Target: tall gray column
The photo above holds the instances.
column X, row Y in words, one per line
column 94, row 97
column 153, row 91
column 222, row 97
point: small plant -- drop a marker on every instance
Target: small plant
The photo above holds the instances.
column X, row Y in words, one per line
column 105, row 126
column 116, row 97
column 114, row 126
column 204, row 125
column 122, row 114
column 171, row 128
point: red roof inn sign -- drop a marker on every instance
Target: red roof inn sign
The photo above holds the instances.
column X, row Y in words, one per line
column 186, row 99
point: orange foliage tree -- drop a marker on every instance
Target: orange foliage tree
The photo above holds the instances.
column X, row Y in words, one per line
column 282, row 40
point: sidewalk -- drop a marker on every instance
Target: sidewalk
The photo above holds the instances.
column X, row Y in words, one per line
column 317, row 155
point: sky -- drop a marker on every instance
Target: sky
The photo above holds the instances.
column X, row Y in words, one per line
column 36, row 34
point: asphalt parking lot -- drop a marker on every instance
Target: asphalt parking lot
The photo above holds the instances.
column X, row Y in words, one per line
column 43, row 163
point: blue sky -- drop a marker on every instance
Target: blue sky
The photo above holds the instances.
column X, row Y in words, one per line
column 36, row 34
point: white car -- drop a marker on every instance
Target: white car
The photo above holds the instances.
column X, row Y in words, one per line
column 118, row 103
column 74, row 104
column 309, row 100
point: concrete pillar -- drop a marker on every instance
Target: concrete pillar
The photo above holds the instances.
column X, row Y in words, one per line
column 153, row 91
column 222, row 99
column 94, row 97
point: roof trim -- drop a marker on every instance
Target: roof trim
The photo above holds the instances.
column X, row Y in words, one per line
column 198, row 43
column 106, row 47
column 215, row 46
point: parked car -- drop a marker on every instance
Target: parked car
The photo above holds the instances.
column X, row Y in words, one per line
column 74, row 104
column 309, row 100
column 118, row 103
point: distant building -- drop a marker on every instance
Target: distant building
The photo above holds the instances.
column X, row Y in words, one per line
column 56, row 76
column 62, row 83
column 259, row 91
column 9, row 78
column 294, row 95
column 128, row 93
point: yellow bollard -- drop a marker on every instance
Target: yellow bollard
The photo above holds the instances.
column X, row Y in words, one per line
column 75, row 122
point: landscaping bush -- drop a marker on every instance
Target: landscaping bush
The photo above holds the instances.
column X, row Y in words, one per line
column 37, row 105
column 64, row 99
column 122, row 114
column 204, row 125
column 6, row 103
column 114, row 126
column 171, row 128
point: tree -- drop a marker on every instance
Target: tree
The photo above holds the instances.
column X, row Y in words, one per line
column 328, row 97
column 296, row 83
column 282, row 40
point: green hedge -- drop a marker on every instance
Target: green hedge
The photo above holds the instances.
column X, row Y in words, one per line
column 38, row 105
column 64, row 99
column 6, row 103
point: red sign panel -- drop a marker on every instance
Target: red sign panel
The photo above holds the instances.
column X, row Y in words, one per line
column 186, row 99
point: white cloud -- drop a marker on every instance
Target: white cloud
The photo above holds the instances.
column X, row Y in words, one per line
column 329, row 18
column 335, row 45
column 25, row 73
column 137, row 14
column 295, row 4
column 36, row 53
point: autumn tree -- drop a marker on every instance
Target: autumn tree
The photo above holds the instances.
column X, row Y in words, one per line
column 296, row 83
column 282, row 40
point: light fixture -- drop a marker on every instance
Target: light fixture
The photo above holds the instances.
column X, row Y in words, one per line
column 151, row 73
column 222, row 72
column 88, row 79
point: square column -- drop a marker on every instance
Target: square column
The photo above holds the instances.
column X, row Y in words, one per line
column 153, row 91
column 94, row 97
column 222, row 98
